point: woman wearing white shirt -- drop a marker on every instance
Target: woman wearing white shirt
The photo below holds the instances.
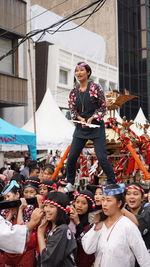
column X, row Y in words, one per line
column 117, row 242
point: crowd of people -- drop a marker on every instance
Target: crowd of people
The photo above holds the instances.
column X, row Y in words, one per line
column 96, row 227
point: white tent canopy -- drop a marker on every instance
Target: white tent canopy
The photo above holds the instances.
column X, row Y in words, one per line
column 140, row 117
column 53, row 130
column 139, row 122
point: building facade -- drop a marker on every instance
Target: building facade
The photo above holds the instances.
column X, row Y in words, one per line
column 13, row 71
column 104, row 22
column 17, row 102
column 55, row 70
column 125, row 27
column 57, row 55
column 134, row 54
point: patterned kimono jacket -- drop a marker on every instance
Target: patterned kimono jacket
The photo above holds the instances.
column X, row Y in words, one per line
column 86, row 104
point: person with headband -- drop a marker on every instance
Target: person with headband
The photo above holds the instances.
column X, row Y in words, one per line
column 88, row 107
column 47, row 186
column 17, row 216
column 59, row 246
column 31, row 187
column 30, row 190
column 118, row 241
column 134, row 195
column 11, row 192
column 81, row 207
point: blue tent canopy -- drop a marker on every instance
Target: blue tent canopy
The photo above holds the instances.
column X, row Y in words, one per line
column 10, row 134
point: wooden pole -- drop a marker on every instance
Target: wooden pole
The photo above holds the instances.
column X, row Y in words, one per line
column 32, row 87
column 60, row 165
column 138, row 161
column 134, row 154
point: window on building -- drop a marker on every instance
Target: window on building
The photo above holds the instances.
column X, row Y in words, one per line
column 7, row 64
column 103, row 84
column 63, row 76
column 112, row 86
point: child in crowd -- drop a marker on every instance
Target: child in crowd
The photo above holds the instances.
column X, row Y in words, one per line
column 47, row 172
column 96, row 213
column 30, row 190
column 46, row 186
column 59, row 248
column 98, row 195
column 31, row 187
column 83, row 204
column 11, row 192
column 98, row 192
column 27, row 259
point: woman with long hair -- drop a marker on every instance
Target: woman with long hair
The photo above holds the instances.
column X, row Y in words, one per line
column 79, row 215
column 59, row 247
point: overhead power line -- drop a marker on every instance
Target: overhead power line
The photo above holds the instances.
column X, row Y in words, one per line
column 96, row 9
column 59, row 24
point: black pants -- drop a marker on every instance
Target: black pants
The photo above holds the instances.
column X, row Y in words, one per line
column 100, row 149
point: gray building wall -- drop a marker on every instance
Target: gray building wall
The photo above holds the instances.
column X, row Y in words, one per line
column 103, row 22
